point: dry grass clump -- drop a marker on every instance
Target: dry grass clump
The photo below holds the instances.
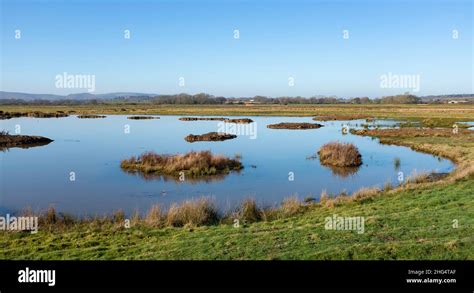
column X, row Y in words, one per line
column 142, row 117
column 365, row 193
column 248, row 212
column 340, row 155
column 202, row 118
column 239, row 120
column 294, row 125
column 418, row 177
column 192, row 212
column 411, row 132
column 290, row 206
column 155, row 216
column 192, row 163
column 211, row 136
column 228, row 120
column 387, row 186
column 90, row 116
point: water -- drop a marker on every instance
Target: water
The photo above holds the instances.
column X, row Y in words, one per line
column 93, row 148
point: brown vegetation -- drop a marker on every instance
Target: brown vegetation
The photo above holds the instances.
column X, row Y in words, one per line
column 340, row 155
column 142, row 117
column 90, row 116
column 202, row 118
column 21, row 141
column 294, row 125
column 34, row 114
column 228, row 120
column 193, row 164
column 197, row 212
column 200, row 211
column 412, row 132
column 211, row 136
column 239, row 120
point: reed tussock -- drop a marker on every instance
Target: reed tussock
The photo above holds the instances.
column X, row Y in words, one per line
column 155, row 216
column 197, row 212
column 290, row 206
column 365, row 193
column 248, row 212
column 340, row 155
column 194, row 164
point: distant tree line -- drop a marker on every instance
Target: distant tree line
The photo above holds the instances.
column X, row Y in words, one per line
column 206, row 99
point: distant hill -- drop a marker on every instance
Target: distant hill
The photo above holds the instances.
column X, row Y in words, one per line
column 78, row 96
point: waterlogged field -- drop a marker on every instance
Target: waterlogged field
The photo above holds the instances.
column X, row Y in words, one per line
column 79, row 172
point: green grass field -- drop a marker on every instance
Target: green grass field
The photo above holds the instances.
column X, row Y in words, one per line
column 419, row 221
column 399, row 111
column 414, row 224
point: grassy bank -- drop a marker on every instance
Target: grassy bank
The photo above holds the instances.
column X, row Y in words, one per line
column 412, row 224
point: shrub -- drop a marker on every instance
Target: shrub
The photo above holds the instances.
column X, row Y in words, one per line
column 365, row 192
column 340, row 155
column 290, row 206
column 155, row 216
column 248, row 211
column 192, row 212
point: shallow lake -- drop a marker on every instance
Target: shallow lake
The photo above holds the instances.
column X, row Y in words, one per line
column 93, row 148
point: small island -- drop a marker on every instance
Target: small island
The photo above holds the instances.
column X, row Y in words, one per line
column 90, row 116
column 295, row 125
column 340, row 155
column 21, row 141
column 202, row 119
column 211, row 136
column 228, row 120
column 142, row 117
column 239, row 120
column 34, row 114
column 192, row 164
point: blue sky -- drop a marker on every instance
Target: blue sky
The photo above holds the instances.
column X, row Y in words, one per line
column 278, row 40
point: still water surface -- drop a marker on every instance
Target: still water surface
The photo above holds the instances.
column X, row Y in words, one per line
column 93, row 148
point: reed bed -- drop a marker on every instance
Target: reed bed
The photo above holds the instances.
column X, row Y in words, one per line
column 194, row 164
column 340, row 155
